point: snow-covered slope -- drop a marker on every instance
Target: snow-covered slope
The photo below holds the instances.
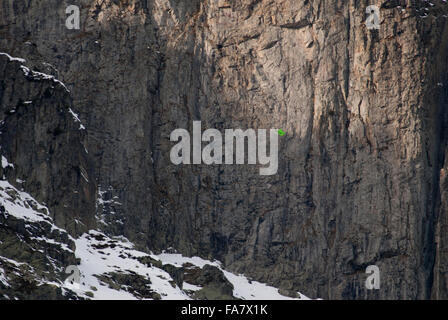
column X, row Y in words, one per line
column 102, row 256
column 32, row 247
column 33, row 250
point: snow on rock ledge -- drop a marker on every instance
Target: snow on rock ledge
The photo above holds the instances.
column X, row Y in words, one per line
column 105, row 261
column 109, row 267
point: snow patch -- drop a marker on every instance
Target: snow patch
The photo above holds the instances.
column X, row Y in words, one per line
column 12, row 58
column 41, row 76
column 23, row 206
column 243, row 287
column 3, row 279
column 102, row 255
column 51, row 241
column 76, row 117
column 6, row 164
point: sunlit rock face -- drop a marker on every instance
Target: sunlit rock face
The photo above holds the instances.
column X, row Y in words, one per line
column 361, row 175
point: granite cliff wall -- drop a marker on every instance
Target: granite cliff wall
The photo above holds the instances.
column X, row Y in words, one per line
column 361, row 176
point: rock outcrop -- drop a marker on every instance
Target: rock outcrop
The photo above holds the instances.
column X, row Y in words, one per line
column 362, row 172
column 43, row 140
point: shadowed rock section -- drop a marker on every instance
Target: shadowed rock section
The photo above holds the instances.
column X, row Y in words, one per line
column 361, row 176
column 43, row 140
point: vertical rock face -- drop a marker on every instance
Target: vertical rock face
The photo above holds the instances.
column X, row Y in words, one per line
column 42, row 144
column 361, row 178
column 42, row 152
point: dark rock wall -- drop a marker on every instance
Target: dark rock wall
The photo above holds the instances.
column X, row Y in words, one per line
column 44, row 142
column 42, row 150
column 361, row 171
